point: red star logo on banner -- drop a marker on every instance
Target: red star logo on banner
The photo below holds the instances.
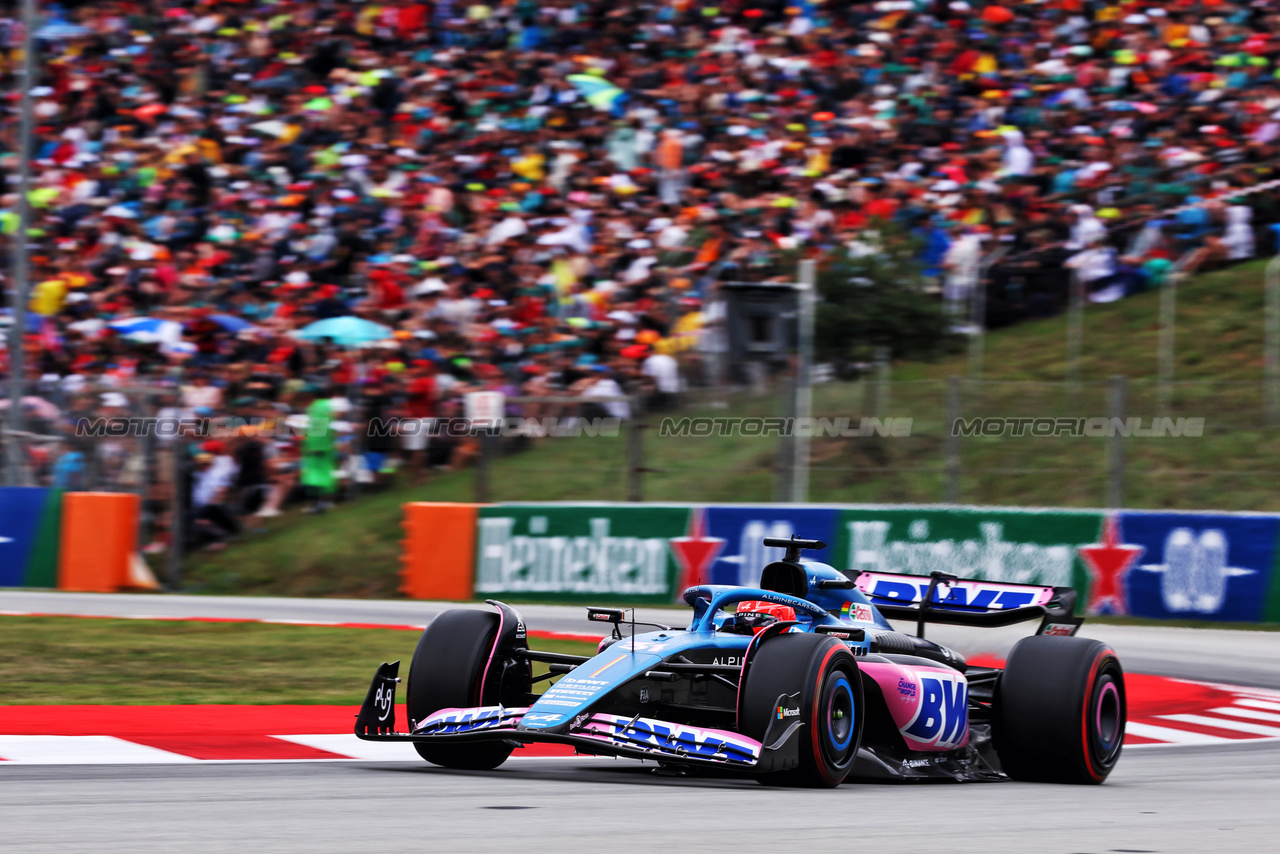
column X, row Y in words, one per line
column 1108, row 564
column 695, row 552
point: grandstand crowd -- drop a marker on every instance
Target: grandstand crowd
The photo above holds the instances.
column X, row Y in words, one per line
column 542, row 197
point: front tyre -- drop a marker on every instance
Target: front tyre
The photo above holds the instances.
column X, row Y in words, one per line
column 448, row 672
column 1059, row 711
column 825, row 675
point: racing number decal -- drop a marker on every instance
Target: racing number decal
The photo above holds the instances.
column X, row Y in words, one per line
column 383, row 699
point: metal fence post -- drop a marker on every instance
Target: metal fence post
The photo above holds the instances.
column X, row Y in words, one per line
column 1168, row 319
column 482, row 467
column 977, row 338
column 951, row 441
column 805, row 292
column 1271, row 356
column 16, row 474
column 784, row 462
column 635, row 451
column 178, row 517
column 883, row 380
column 1075, row 331
column 1115, row 443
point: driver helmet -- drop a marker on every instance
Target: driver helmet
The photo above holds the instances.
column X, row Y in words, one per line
column 755, row 614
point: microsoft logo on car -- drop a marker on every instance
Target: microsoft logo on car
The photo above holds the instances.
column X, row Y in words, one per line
column 787, row 713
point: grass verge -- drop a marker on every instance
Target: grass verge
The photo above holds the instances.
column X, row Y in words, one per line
column 68, row 660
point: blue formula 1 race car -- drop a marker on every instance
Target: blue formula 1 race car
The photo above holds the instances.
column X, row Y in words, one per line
column 801, row 681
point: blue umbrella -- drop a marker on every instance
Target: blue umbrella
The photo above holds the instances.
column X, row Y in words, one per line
column 148, row 330
column 57, row 30
column 231, row 323
column 346, row 331
column 597, row 91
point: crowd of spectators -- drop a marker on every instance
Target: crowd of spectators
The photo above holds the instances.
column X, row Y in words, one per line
column 540, row 196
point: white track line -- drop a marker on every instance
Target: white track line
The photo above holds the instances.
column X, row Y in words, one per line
column 1223, row 723
column 81, row 750
column 1170, row 735
column 1252, row 714
column 1258, row 704
column 346, row 744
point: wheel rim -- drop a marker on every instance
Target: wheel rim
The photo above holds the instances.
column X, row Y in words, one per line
column 840, row 717
column 1108, row 717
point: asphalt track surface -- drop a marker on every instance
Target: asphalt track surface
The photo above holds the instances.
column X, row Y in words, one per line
column 1171, row 799
column 1168, row 800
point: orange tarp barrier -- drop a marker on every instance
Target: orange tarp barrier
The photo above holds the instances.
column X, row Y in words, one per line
column 99, row 536
column 439, row 550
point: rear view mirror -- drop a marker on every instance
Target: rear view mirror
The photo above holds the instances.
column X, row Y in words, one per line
column 606, row 615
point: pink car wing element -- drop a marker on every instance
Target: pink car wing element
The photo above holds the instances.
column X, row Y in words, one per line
column 929, row 705
column 991, row 595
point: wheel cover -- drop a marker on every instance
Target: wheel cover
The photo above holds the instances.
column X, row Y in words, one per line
column 838, row 718
column 1107, row 720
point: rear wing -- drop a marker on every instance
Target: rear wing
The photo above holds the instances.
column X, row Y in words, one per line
column 943, row 598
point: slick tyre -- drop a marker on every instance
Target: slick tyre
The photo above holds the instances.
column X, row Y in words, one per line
column 1058, row 713
column 822, row 671
column 447, row 672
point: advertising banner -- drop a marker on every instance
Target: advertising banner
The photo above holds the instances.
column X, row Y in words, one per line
column 28, row 536
column 1026, row 547
column 589, row 552
column 1199, row 566
column 1193, row 566
column 741, row 530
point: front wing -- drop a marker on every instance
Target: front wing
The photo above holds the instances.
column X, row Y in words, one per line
column 594, row 733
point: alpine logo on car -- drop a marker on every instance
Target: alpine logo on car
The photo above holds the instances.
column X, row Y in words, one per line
column 942, row 714
column 543, row 718
column 784, row 712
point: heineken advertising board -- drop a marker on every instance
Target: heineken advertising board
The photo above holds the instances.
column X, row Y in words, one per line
column 1202, row 566
column 592, row 552
column 981, row 543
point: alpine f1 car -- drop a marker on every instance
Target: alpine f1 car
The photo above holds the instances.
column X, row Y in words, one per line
column 801, row 681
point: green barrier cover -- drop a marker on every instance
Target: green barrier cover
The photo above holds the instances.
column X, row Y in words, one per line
column 596, row 553
column 981, row 543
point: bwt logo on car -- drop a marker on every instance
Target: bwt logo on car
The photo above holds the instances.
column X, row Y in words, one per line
column 983, row 597
column 466, row 721
column 942, row 715
column 694, row 741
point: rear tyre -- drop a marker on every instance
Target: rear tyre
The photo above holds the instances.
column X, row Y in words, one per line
column 448, row 672
column 1059, row 711
column 825, row 675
